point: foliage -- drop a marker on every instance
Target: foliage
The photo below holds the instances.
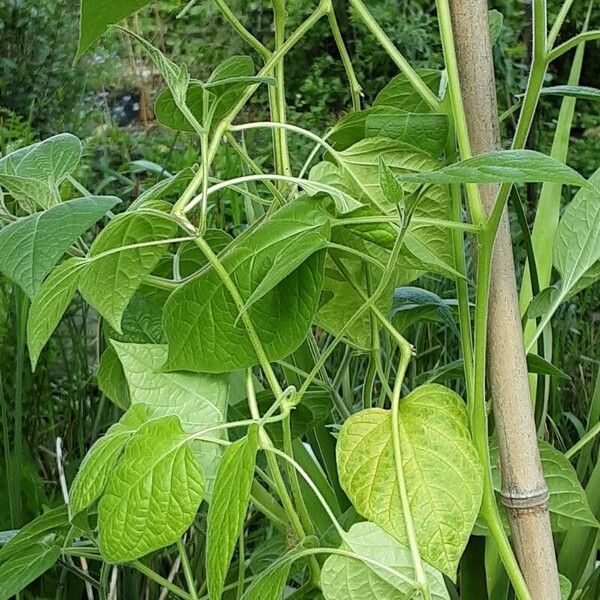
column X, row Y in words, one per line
column 283, row 420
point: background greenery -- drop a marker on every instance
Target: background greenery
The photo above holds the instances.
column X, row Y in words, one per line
column 42, row 92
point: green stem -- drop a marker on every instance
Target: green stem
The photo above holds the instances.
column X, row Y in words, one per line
column 355, row 87
column 22, row 306
column 280, row 18
column 235, row 295
column 573, row 43
column 154, row 576
column 242, row 31
column 458, row 110
column 7, row 462
column 421, row 577
column 243, row 154
column 404, row 66
column 479, row 420
column 558, row 22
column 224, row 124
column 187, row 570
column 462, row 283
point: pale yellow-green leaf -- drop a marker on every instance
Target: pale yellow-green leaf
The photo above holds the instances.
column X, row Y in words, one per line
column 441, row 469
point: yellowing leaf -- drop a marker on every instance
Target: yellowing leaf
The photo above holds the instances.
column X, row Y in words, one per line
column 441, row 468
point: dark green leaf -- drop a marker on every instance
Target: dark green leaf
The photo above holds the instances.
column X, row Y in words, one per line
column 98, row 15
column 202, row 320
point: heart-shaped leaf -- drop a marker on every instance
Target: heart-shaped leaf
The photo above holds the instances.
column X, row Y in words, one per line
column 442, row 472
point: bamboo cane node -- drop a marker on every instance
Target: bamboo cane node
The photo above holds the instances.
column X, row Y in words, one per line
column 523, row 500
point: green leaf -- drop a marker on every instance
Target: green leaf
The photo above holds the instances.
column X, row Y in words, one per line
column 568, row 504
column 346, row 578
column 98, row 464
column 358, row 175
column 49, row 161
column 50, row 304
column 201, row 319
column 153, row 494
column 54, row 522
column 565, row 587
column 37, row 170
column 574, row 91
column 441, row 469
column 176, row 77
column 142, row 319
column 226, row 84
column 32, row 245
column 112, row 380
column 198, row 400
column 270, row 584
column 412, row 304
column 26, row 189
column 32, row 551
column 98, row 15
column 26, row 566
column 228, row 508
column 577, row 242
column 400, row 93
column 428, row 132
column 502, row 166
column 537, row 364
column 109, row 282
column 496, row 20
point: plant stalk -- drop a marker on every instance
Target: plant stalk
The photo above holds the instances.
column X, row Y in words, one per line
column 524, row 490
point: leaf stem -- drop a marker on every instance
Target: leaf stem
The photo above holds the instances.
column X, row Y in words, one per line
column 422, row 582
column 254, row 43
column 401, row 62
column 165, row 583
column 187, row 570
column 355, row 87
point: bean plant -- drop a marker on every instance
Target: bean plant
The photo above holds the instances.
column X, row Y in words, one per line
column 244, row 463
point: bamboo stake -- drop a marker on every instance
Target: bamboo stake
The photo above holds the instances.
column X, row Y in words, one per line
column 524, row 490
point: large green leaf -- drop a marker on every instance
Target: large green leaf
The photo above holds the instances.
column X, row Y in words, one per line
column 441, row 469
column 577, row 242
column 32, row 245
column 568, row 504
column 50, row 304
column 346, row 578
column 152, row 495
column 427, row 132
column 198, row 400
column 110, row 280
column 278, row 268
column 32, row 551
column 400, row 93
column 96, row 469
column 49, row 161
column 222, row 98
column 98, row 15
column 228, row 508
column 26, row 566
column 503, row 166
column 35, row 172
